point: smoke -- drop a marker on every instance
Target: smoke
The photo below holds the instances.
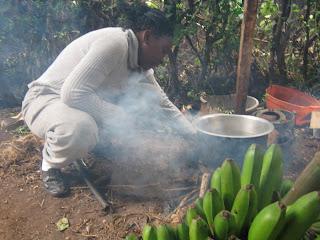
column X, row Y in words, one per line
column 142, row 104
column 151, row 148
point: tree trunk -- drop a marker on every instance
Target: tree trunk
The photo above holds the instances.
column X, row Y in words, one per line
column 245, row 54
column 306, row 46
column 173, row 80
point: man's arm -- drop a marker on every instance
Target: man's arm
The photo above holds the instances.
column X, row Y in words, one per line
column 169, row 108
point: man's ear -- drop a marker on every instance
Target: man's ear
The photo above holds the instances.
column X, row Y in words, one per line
column 147, row 36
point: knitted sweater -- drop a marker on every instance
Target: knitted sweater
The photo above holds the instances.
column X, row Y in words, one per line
column 94, row 69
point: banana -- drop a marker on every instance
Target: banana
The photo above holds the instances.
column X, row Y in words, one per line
column 149, row 232
column 268, row 223
column 198, row 229
column 278, row 176
column 300, row 216
column 285, row 187
column 200, row 211
column 199, row 202
column 270, row 175
column 252, row 212
column 224, row 225
column 172, row 231
column 193, row 211
column 183, row 231
column 216, row 180
column 132, row 237
column 212, row 205
column 163, row 233
column 252, row 166
column 244, row 207
column 230, row 182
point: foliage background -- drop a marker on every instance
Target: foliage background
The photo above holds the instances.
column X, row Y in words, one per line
column 203, row 59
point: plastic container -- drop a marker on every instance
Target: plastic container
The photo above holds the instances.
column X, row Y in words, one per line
column 292, row 100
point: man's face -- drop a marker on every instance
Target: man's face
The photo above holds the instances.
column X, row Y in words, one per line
column 152, row 49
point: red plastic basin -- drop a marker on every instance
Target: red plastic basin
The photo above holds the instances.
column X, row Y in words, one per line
column 292, row 100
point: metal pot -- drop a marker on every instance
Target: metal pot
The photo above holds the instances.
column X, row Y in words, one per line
column 229, row 136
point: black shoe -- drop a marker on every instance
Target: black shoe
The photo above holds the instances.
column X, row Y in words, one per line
column 53, row 182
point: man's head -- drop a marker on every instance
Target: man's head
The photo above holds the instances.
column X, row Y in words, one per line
column 153, row 30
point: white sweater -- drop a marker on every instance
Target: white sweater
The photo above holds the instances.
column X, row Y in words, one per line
column 94, row 69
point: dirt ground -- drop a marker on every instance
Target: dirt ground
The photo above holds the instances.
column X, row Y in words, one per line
column 28, row 212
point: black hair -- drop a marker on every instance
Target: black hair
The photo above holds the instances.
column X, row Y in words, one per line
column 139, row 17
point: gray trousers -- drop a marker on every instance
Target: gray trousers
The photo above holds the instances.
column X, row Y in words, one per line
column 68, row 132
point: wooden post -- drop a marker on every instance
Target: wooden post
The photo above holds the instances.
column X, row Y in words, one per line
column 245, row 54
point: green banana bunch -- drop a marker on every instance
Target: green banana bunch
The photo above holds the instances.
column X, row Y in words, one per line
column 244, row 208
column 183, row 231
column 149, row 232
column 268, row 223
column 224, row 225
column 216, row 180
column 198, row 229
column 132, row 237
column 194, row 210
column 230, row 182
column 212, row 205
column 270, row 175
column 163, row 233
column 285, row 187
column 300, row 216
column 252, row 166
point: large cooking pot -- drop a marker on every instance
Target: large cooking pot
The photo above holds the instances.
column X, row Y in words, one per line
column 224, row 136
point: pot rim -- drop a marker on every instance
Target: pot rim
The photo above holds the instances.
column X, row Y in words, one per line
column 265, row 133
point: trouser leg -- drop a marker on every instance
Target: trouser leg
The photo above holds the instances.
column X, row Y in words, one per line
column 69, row 133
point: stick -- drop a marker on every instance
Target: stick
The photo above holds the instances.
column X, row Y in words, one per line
column 182, row 203
column 308, row 181
column 95, row 192
column 180, row 189
column 12, row 122
column 204, row 184
column 133, row 186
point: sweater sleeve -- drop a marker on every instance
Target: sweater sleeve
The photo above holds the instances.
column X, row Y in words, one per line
column 169, row 108
column 79, row 89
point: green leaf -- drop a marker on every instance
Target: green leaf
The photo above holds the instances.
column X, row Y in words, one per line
column 63, row 224
column 152, row 4
column 197, row 62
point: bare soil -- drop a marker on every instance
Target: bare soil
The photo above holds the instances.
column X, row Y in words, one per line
column 28, row 212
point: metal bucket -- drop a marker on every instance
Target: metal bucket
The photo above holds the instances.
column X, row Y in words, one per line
column 224, row 136
column 226, row 103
